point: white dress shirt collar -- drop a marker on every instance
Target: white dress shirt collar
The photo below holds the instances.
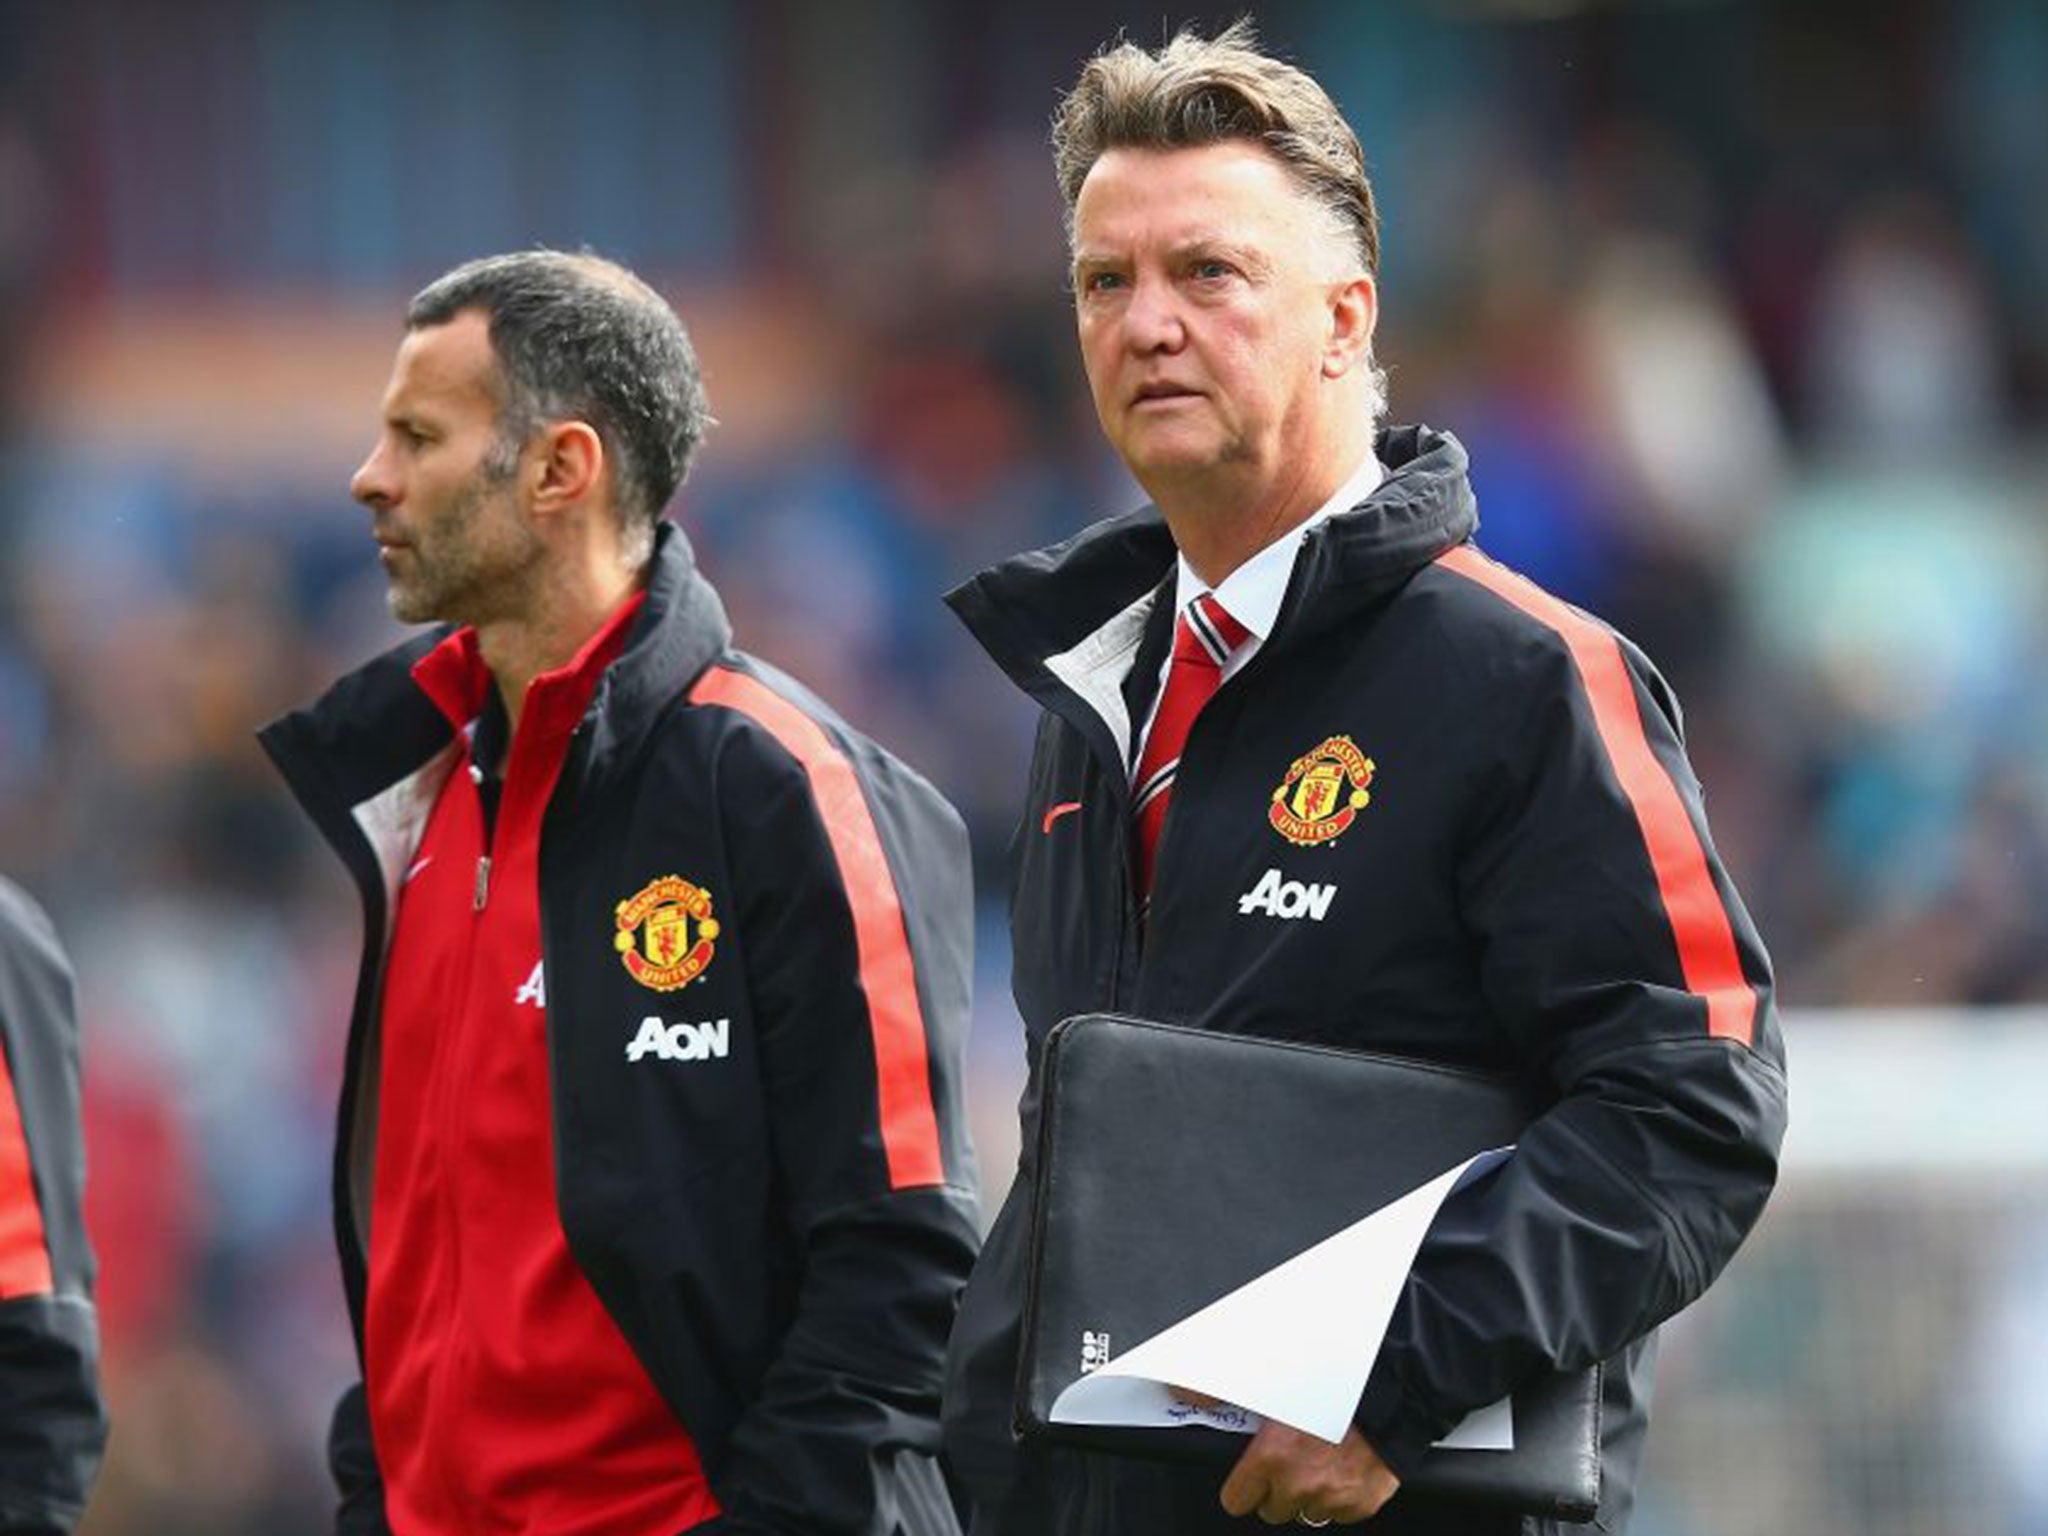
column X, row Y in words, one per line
column 1251, row 594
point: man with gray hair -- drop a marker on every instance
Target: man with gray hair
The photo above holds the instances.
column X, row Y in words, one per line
column 652, row 1186
column 1314, row 768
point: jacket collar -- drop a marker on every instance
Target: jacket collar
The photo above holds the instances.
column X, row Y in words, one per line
column 680, row 630
column 376, row 725
column 1067, row 620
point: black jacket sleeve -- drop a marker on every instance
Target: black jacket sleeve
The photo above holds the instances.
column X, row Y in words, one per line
column 53, row 1427
column 854, row 915
column 352, row 1460
column 1620, row 963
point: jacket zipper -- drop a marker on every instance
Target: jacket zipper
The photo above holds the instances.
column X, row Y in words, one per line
column 1124, row 908
column 443, row 1380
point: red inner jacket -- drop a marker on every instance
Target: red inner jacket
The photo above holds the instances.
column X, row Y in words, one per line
column 503, row 1397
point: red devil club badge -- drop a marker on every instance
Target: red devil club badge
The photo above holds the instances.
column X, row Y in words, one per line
column 665, row 933
column 1323, row 793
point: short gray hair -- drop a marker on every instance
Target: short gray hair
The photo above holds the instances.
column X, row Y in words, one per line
column 580, row 338
column 1196, row 91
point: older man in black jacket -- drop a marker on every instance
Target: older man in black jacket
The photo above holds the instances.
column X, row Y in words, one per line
column 1313, row 767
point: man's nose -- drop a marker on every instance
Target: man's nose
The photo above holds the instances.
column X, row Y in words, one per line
column 371, row 484
column 1152, row 319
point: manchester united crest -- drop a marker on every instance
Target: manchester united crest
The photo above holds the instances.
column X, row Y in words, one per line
column 1323, row 793
column 666, row 932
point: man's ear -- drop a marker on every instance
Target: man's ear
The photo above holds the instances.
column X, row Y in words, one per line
column 1354, row 313
column 570, row 467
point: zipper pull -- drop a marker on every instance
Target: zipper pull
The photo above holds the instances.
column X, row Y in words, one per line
column 483, row 881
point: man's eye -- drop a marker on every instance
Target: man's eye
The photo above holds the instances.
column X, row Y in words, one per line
column 1210, row 271
column 1101, row 282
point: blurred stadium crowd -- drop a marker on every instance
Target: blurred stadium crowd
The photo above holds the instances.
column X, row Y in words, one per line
column 1738, row 307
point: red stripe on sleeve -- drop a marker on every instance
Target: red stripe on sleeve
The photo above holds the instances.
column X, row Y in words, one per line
column 1699, row 923
column 24, row 1250
column 910, row 1127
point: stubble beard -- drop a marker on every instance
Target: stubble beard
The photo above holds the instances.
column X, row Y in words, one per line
column 454, row 577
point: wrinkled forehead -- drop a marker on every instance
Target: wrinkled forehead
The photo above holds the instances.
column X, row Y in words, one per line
column 1235, row 191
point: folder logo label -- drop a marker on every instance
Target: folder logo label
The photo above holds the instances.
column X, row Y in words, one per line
column 1094, row 1350
column 1322, row 794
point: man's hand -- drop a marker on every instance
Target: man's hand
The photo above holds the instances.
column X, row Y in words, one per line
column 1285, row 1474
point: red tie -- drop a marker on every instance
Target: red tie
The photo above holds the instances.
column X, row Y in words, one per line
column 1204, row 640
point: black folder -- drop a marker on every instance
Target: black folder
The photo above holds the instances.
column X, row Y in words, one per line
column 1175, row 1165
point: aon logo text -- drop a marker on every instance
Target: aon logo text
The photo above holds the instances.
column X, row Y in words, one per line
column 1286, row 898
column 680, row 1042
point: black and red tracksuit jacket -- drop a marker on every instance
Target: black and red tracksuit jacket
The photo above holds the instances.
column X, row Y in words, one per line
column 1440, row 814
column 53, row 1427
column 779, row 1224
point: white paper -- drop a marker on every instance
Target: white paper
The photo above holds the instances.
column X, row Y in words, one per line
column 1295, row 1344
column 1491, row 1428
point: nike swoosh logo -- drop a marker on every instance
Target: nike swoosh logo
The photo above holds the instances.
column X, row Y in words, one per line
column 1057, row 812
column 418, row 866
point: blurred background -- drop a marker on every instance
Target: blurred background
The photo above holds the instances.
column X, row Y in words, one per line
column 1739, row 307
